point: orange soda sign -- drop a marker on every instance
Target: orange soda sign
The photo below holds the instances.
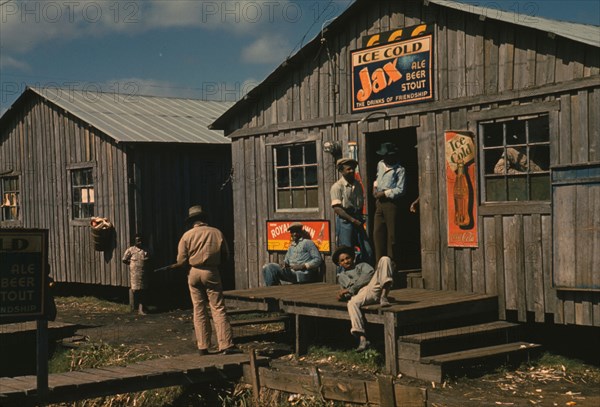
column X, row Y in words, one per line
column 461, row 189
column 278, row 237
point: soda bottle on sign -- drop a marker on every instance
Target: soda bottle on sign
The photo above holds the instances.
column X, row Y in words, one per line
column 461, row 197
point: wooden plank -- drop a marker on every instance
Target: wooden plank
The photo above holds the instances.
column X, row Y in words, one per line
column 475, row 56
column 564, row 235
column 545, row 60
column 511, row 269
column 343, row 389
column 428, row 201
column 549, row 292
column 506, row 60
column 565, row 136
column 594, row 125
column 584, row 237
column 387, row 396
column 491, row 56
column 391, row 349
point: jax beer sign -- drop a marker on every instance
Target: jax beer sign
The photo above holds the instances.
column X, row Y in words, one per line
column 392, row 74
column 278, row 237
column 461, row 189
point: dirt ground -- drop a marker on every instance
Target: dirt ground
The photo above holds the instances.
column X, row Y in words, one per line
column 171, row 333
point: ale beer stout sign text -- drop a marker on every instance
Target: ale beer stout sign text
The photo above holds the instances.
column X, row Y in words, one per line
column 23, row 260
column 461, row 189
column 392, row 74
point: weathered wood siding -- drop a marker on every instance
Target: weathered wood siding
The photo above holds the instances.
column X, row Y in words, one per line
column 40, row 145
column 480, row 65
column 166, row 179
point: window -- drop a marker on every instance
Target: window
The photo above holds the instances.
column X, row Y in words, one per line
column 296, row 176
column 11, row 199
column 82, row 184
column 516, row 159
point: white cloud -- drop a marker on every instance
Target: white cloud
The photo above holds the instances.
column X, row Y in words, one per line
column 7, row 61
column 266, row 50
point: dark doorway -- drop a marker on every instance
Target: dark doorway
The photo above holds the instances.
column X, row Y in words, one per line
column 410, row 238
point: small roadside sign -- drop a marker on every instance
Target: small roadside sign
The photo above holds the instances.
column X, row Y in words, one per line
column 23, row 273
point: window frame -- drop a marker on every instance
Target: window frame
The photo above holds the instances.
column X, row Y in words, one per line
column 70, row 170
column 475, row 118
column 274, row 149
column 18, row 221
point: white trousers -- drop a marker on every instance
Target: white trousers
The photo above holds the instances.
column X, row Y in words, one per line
column 369, row 294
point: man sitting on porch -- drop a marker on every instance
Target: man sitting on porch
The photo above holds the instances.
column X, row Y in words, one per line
column 361, row 285
column 300, row 264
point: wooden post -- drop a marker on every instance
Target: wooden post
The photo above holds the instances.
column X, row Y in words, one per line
column 254, row 377
column 387, row 398
column 42, row 359
column 391, row 350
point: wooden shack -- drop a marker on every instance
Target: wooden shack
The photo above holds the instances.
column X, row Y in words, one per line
column 139, row 161
column 420, row 74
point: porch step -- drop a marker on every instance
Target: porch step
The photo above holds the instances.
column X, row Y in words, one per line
column 261, row 321
column 414, row 280
column 435, row 368
column 417, row 346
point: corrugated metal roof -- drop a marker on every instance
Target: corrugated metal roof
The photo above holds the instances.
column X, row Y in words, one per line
column 587, row 34
column 135, row 119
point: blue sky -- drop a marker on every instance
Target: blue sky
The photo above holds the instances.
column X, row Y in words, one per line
column 182, row 48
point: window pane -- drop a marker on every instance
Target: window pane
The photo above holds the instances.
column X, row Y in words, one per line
column 492, row 135
column 491, row 160
column 298, row 198
column 298, row 177
column 76, row 178
column 539, row 158
column 296, row 155
column 517, row 188
column 76, row 195
column 310, row 153
column 87, row 175
column 540, row 187
column 284, row 199
column 87, row 210
column 495, row 189
column 76, row 213
column 312, row 197
column 282, row 156
column 539, row 129
column 311, row 175
column 283, row 178
column 515, row 132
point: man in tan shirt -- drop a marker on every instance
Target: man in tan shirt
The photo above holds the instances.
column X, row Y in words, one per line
column 204, row 249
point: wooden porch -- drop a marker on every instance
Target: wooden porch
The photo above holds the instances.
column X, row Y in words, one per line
column 411, row 307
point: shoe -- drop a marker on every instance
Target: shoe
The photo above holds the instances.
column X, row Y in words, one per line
column 363, row 346
column 231, row 351
column 202, row 352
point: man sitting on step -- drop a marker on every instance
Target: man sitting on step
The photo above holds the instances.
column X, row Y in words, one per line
column 361, row 285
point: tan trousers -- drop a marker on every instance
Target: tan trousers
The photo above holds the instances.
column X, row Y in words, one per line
column 369, row 294
column 205, row 289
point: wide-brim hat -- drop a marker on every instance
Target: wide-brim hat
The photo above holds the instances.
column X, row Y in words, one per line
column 194, row 212
column 387, row 149
column 346, row 161
column 295, row 225
column 341, row 250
